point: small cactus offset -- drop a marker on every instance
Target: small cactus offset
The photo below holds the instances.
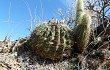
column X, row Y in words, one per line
column 51, row 40
column 82, row 29
column 82, row 32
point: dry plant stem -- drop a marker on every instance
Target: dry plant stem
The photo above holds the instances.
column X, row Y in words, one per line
column 30, row 13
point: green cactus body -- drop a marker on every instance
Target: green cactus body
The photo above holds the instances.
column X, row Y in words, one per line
column 82, row 29
column 79, row 11
column 51, row 40
column 82, row 32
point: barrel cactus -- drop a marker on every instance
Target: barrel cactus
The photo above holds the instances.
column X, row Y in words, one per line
column 51, row 40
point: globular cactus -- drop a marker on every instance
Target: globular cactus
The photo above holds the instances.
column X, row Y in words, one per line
column 79, row 11
column 51, row 40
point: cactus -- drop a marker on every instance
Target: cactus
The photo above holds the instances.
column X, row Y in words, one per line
column 82, row 32
column 51, row 40
column 82, row 28
column 79, row 11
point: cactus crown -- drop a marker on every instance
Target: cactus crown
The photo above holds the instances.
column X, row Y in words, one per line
column 79, row 11
column 80, row 6
column 86, row 19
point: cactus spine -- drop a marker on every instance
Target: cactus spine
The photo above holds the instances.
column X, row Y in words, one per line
column 83, row 29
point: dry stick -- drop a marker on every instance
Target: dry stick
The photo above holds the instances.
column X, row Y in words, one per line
column 107, row 10
column 92, row 51
column 103, row 7
column 108, row 25
column 4, row 42
column 30, row 13
column 36, row 21
column 5, row 64
column 98, row 36
column 84, row 59
column 41, row 8
column 16, row 44
column 98, row 11
column 101, row 46
column 9, row 15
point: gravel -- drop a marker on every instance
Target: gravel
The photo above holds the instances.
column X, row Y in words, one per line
column 29, row 61
column 26, row 60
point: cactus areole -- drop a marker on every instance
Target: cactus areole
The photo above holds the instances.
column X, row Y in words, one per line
column 51, row 40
